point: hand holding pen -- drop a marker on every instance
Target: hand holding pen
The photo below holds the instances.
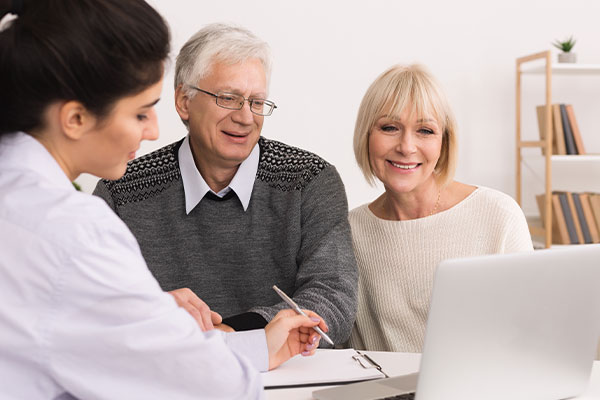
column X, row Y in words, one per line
column 289, row 334
column 298, row 310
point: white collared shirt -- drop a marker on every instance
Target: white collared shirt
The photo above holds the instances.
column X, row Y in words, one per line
column 195, row 187
column 80, row 313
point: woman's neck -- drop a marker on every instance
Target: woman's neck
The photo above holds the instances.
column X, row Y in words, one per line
column 55, row 142
column 415, row 204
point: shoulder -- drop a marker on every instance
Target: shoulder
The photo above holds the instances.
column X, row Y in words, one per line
column 495, row 199
column 489, row 206
column 504, row 216
column 362, row 221
column 88, row 220
column 145, row 176
column 287, row 167
column 360, row 213
column 68, row 219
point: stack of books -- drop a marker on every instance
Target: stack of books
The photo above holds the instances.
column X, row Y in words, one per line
column 575, row 217
column 566, row 137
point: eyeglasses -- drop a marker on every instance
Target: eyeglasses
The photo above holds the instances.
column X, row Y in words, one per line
column 233, row 101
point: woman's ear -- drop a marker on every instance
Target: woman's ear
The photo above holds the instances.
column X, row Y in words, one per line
column 75, row 119
column 182, row 103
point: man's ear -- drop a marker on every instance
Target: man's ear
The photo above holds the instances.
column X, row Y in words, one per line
column 75, row 119
column 182, row 102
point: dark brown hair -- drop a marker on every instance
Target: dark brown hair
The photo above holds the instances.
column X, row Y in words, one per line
column 92, row 51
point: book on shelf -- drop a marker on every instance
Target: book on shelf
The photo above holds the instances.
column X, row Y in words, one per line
column 568, row 217
column 589, row 217
column 574, row 216
column 566, row 136
column 541, row 116
column 595, row 206
column 560, row 234
column 575, row 130
column 568, row 133
column 557, row 130
column 585, row 230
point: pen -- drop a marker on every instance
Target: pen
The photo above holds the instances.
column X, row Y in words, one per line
column 295, row 307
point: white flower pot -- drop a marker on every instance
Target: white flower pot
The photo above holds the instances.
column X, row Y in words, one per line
column 567, row 57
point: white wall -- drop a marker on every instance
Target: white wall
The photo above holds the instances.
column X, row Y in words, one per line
column 328, row 52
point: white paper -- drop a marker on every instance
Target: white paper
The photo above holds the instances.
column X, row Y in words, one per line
column 326, row 366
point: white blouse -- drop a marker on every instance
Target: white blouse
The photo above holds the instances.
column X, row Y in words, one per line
column 80, row 313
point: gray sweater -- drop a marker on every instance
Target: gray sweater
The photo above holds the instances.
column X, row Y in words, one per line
column 294, row 234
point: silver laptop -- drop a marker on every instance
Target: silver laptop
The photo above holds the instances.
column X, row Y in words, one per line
column 515, row 326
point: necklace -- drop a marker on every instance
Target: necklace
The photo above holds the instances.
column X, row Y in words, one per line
column 435, row 207
column 437, row 203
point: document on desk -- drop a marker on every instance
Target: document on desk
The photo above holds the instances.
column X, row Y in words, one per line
column 326, row 367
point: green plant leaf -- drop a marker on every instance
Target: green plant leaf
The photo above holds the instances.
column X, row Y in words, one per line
column 565, row 45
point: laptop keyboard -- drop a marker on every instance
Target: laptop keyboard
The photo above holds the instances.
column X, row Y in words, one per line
column 406, row 396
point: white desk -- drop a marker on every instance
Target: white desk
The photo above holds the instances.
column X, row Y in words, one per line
column 405, row 363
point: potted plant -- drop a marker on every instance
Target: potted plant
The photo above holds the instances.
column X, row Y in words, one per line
column 565, row 46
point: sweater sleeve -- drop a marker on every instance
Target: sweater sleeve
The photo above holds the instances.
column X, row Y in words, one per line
column 326, row 281
column 517, row 236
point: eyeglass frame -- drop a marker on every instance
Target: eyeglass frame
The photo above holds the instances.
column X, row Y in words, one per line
column 249, row 100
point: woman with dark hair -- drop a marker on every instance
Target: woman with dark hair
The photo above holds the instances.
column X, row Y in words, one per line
column 80, row 314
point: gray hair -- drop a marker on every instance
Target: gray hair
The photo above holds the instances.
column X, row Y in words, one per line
column 218, row 42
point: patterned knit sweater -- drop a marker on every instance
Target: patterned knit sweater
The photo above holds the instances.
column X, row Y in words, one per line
column 397, row 262
column 294, row 234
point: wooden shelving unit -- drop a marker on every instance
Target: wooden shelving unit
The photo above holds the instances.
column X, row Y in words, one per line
column 531, row 65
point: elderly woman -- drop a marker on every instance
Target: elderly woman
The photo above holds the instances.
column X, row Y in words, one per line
column 405, row 136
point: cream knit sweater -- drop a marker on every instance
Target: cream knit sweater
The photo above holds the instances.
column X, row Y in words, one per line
column 397, row 261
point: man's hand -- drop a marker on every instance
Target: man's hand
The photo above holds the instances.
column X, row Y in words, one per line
column 289, row 334
column 198, row 309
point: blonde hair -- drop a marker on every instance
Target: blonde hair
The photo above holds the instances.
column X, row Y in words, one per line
column 399, row 87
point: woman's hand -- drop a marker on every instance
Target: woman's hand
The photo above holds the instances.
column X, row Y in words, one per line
column 223, row 327
column 289, row 334
column 198, row 309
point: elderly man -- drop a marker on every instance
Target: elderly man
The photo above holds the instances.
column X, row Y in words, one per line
column 228, row 213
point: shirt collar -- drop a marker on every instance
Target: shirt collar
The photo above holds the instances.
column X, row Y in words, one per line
column 23, row 151
column 195, row 187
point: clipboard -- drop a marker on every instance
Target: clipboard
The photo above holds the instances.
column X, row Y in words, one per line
column 327, row 367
